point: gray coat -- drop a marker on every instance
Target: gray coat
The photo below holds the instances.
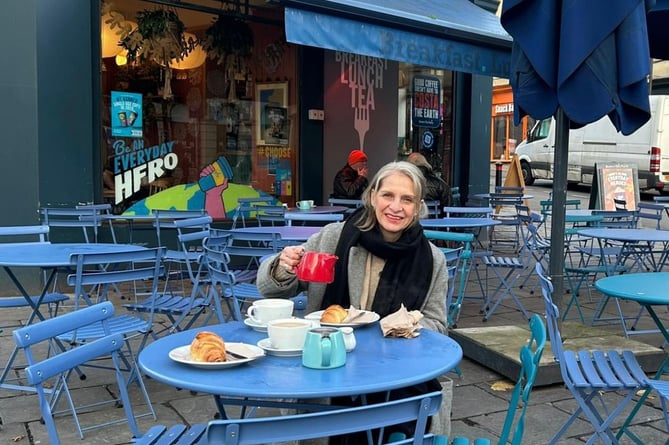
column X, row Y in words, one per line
column 272, row 283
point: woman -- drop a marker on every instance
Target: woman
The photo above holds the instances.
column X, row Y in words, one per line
column 384, row 261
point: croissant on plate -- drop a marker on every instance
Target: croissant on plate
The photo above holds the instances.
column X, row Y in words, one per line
column 207, row 347
column 334, row 314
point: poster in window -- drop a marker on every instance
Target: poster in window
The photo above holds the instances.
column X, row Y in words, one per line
column 618, row 182
column 271, row 113
column 126, row 114
column 426, row 94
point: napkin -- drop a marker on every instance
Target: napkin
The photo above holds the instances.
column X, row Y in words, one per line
column 359, row 316
column 402, row 323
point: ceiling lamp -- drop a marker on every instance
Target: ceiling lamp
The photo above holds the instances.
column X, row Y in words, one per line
column 110, row 38
column 195, row 58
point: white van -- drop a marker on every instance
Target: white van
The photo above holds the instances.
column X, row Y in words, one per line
column 599, row 142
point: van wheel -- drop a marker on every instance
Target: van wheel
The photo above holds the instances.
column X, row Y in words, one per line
column 527, row 173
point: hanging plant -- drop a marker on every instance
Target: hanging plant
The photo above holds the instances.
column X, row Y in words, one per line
column 159, row 36
column 229, row 42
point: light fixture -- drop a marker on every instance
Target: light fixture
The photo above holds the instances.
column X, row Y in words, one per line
column 195, row 58
column 121, row 58
column 110, row 38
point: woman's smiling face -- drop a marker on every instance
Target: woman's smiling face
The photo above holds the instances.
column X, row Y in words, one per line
column 395, row 205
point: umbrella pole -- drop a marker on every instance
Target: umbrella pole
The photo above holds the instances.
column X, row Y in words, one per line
column 560, row 161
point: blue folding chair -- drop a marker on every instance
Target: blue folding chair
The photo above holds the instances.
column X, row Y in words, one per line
column 312, row 218
column 592, row 374
column 322, row 424
column 49, row 376
column 530, row 356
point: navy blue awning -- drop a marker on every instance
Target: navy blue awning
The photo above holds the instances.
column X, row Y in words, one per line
column 455, row 35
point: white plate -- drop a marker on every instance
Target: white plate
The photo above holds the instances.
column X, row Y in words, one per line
column 370, row 317
column 271, row 350
column 182, row 355
column 258, row 327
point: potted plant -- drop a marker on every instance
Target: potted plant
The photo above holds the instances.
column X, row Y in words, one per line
column 229, row 42
column 159, row 37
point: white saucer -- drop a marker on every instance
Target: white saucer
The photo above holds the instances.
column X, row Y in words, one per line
column 367, row 318
column 182, row 355
column 258, row 327
column 271, row 350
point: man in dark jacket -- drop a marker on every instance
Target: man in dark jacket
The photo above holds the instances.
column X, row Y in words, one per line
column 351, row 181
column 436, row 189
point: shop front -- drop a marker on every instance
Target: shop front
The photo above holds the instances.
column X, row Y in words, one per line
column 247, row 100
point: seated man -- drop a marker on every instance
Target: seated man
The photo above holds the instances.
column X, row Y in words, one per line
column 351, row 180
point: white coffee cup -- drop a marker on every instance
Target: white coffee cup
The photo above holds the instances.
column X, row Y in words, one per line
column 262, row 311
column 288, row 333
column 305, row 205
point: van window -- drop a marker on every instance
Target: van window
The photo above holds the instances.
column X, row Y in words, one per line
column 540, row 130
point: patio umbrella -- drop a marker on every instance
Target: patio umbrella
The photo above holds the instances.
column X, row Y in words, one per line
column 578, row 60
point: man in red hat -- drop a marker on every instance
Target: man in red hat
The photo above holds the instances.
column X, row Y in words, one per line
column 351, row 181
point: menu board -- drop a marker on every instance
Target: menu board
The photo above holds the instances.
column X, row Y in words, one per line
column 617, row 181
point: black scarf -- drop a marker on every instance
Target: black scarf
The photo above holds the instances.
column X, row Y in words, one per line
column 406, row 275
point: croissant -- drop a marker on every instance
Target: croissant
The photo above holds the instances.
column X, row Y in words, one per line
column 334, row 314
column 207, row 347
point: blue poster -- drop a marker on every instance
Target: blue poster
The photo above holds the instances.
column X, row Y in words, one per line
column 126, row 114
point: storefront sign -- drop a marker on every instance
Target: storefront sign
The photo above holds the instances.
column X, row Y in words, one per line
column 425, row 105
column 504, row 108
column 126, row 114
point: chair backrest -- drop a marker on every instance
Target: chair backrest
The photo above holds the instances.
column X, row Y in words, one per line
column 617, row 219
column 103, row 212
column 315, row 218
column 103, row 271
column 88, row 219
column 23, row 234
column 246, row 248
column 254, row 430
column 270, row 215
column 352, row 203
column 164, row 220
column 455, row 196
column 467, row 212
column 433, row 210
column 512, row 189
column 652, row 212
column 530, row 356
column 218, row 267
column 552, row 320
column 39, row 372
column 245, row 207
column 619, row 204
column 505, row 199
column 464, row 254
column 191, row 233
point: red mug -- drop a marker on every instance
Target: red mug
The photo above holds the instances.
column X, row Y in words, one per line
column 316, row 267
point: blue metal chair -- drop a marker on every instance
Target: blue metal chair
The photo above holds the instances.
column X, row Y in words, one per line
column 191, row 232
column 352, row 204
column 245, row 208
column 98, row 273
column 530, row 356
column 49, row 376
column 433, row 210
column 322, row 424
column 246, row 250
column 592, row 374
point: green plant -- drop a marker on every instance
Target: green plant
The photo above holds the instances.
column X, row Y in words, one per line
column 159, row 36
column 228, row 40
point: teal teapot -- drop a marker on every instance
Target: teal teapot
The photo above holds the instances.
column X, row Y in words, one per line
column 324, row 348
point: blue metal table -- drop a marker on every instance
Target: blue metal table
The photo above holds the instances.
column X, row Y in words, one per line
column 49, row 256
column 458, row 223
column 376, row 364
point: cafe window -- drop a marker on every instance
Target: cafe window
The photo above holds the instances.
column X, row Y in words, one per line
column 225, row 120
column 425, row 116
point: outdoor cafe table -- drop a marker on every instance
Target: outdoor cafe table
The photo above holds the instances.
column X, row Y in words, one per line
column 287, row 233
column 50, row 257
column 649, row 289
column 638, row 243
column 376, row 364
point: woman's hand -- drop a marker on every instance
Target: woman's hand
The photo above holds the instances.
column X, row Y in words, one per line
column 290, row 257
